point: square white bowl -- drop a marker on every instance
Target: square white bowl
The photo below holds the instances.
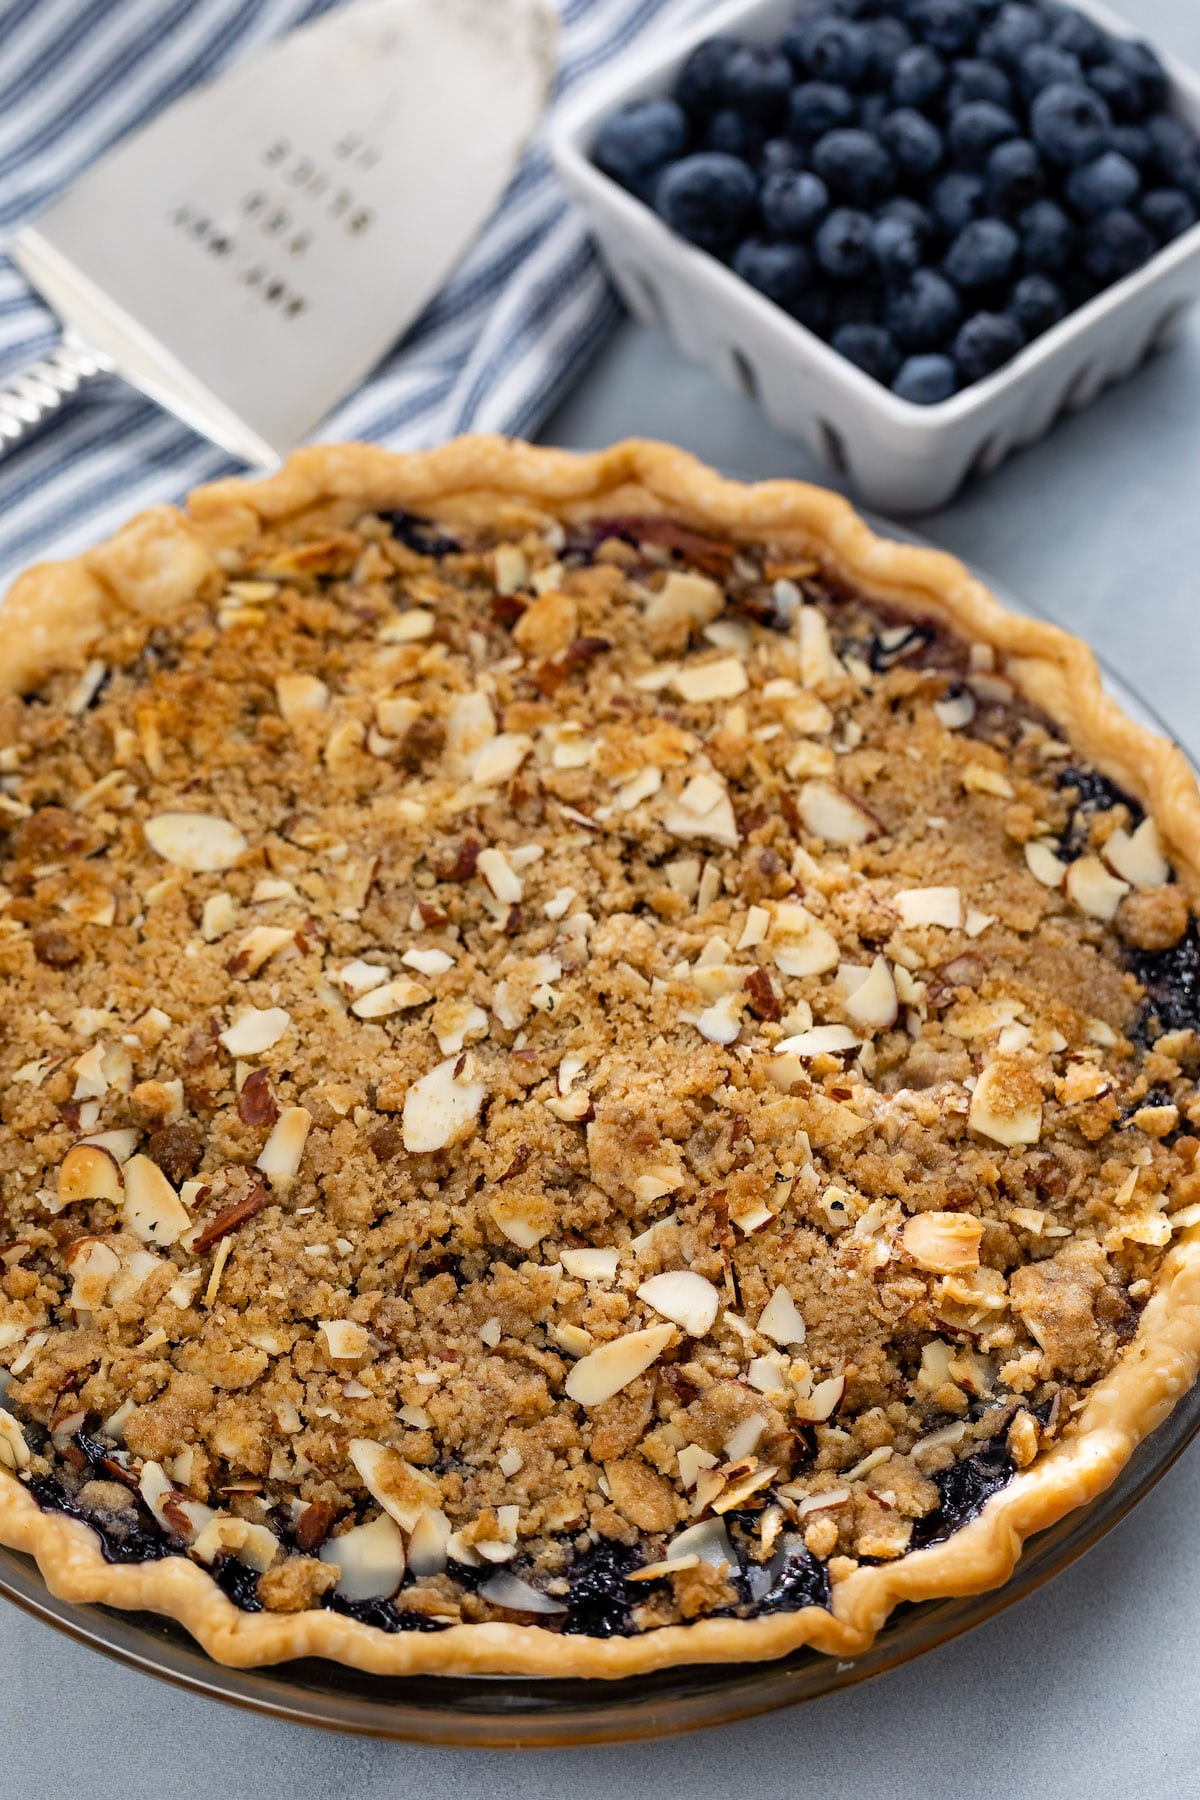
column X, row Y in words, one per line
column 900, row 457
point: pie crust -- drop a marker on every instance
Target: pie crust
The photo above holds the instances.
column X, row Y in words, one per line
column 162, row 559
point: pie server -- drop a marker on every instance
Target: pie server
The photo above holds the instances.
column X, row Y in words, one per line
column 250, row 254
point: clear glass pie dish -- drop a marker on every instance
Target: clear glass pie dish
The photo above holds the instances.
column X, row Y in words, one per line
column 506, row 1711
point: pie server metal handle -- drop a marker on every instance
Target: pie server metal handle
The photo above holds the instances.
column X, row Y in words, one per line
column 40, row 392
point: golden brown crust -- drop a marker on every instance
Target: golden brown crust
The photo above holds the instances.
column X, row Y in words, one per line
column 56, row 612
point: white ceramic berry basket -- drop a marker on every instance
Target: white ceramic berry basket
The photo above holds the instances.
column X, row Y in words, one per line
column 900, row 457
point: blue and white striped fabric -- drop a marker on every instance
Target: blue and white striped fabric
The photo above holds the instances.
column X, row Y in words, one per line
column 516, row 323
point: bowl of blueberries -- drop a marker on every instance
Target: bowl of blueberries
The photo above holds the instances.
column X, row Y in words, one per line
column 916, row 230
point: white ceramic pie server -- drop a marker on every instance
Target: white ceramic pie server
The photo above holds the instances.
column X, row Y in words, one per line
column 250, row 254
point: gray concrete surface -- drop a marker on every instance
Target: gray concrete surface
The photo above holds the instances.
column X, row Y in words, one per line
column 1085, row 1691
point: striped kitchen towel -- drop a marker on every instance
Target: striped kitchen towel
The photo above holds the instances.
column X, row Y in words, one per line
column 513, row 327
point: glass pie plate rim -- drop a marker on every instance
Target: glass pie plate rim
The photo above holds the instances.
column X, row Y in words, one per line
column 528, row 1712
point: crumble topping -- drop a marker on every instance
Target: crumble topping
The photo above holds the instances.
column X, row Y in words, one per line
column 596, row 1077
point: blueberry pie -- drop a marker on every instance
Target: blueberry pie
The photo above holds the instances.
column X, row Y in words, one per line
column 598, row 1068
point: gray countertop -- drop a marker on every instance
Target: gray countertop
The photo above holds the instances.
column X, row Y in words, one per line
column 1086, row 1689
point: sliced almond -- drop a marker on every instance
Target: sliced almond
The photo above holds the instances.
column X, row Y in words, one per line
column 978, row 778
column 873, row 1004
column 822, row 1402
column 817, row 660
column 369, row 1559
column 258, row 947
column 525, row 1219
column 781, row 1319
column 1044, row 863
column 198, row 842
column 931, row 906
column 822, row 1040
column 346, row 1340
column 282, row 1153
column 300, row 696
column 89, row 1173
column 590, row 1264
column 510, row 1591
column 92, row 1265
column 723, row 679
column 955, row 710
column 1093, row 889
column 14, row 1451
column 801, row 945
column 403, row 1491
column 399, row 995
column 441, row 1108
column 494, row 868
column 684, row 598
column 941, row 1241
column 255, row 1545
column 254, row 1030
column 1138, row 859
column 702, row 810
column 427, row 1552
column 687, row 1299
column 604, row 1372
column 1007, row 1104
column 499, row 759
column 469, row 724
column 428, row 962
column 831, row 813
column 151, row 1207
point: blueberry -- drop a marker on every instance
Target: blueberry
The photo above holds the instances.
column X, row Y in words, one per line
column 1074, row 31
column 872, row 111
column 902, row 206
column 1116, row 244
column 1012, row 31
column 1120, row 90
column 843, row 244
column 1069, row 123
column 1176, row 152
column 817, row 107
column 1168, row 212
column 834, row 49
column 854, row 166
column 957, row 199
column 1043, row 63
column 1140, row 61
column 780, row 271
column 925, row 314
column 1134, row 142
column 870, row 347
column 984, row 252
column 949, row 25
column 757, row 82
column 1107, row 181
column 815, row 307
column 708, row 199
column 915, row 144
column 857, row 303
column 1047, row 238
column 734, row 134
column 889, row 39
column 1037, row 304
column 926, row 380
column 975, row 79
column 638, row 140
column 698, row 87
column 793, row 202
column 919, row 77
column 975, row 130
column 779, row 154
column 985, row 343
column 1014, row 177
column 898, row 248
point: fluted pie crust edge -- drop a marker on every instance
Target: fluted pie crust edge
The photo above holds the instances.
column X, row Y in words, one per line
column 161, row 559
